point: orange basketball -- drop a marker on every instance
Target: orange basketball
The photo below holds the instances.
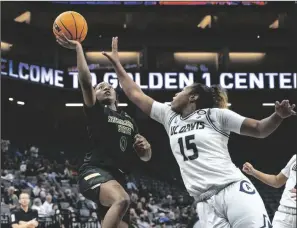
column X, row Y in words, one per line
column 72, row 25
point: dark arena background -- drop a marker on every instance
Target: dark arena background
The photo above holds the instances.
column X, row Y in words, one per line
column 250, row 48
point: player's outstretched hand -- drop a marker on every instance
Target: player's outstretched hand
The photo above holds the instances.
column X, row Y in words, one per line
column 66, row 43
column 248, row 168
column 284, row 109
column 294, row 193
column 113, row 57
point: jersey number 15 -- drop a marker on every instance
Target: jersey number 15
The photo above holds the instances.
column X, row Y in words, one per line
column 189, row 146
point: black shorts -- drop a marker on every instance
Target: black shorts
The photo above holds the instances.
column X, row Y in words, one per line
column 89, row 182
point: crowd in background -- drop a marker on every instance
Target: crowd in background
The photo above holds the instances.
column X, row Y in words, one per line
column 53, row 189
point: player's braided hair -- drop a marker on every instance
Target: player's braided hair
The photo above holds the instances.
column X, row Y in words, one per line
column 220, row 96
column 210, row 97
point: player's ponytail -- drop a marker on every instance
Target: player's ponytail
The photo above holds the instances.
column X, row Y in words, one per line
column 220, row 97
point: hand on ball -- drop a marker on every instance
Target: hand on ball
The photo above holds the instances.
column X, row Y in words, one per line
column 65, row 42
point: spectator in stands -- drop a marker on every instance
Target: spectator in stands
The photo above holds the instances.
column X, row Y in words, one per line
column 34, row 152
column 4, row 145
column 131, row 185
column 7, row 176
column 82, row 203
column 37, row 188
column 37, row 205
column 47, row 206
column 55, row 194
column 134, row 199
column 11, row 199
column 133, row 217
column 23, row 167
column 143, row 222
column 24, row 216
column 70, row 197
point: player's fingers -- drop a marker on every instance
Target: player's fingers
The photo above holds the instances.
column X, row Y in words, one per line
column 137, row 141
column 114, row 42
column 61, row 43
column 60, row 39
column 293, row 106
column 107, row 56
column 245, row 169
column 65, row 37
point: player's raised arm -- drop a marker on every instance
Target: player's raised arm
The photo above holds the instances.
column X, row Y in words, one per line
column 263, row 128
column 231, row 121
column 131, row 89
column 84, row 76
column 275, row 181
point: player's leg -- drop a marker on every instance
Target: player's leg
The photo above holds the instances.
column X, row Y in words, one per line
column 113, row 195
column 101, row 187
column 209, row 217
column 243, row 206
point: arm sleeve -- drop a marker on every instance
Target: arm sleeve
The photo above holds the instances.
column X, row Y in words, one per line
column 229, row 120
column 162, row 113
column 286, row 170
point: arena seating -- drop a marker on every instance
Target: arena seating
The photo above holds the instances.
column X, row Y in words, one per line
column 153, row 201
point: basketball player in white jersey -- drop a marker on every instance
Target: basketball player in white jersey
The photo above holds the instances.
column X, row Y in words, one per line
column 199, row 136
column 285, row 217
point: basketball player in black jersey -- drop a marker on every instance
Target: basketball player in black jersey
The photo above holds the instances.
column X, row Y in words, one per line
column 115, row 136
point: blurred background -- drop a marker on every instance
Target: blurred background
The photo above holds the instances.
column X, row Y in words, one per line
column 164, row 45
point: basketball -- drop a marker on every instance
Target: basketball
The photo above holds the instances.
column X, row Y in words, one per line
column 72, row 24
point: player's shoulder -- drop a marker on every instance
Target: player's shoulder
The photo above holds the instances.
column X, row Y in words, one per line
column 293, row 159
column 210, row 112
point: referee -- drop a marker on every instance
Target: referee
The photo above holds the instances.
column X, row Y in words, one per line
column 24, row 217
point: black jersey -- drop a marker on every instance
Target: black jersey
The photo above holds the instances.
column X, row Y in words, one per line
column 19, row 214
column 112, row 135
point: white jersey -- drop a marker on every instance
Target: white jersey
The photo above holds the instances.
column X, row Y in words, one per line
column 290, row 172
column 199, row 143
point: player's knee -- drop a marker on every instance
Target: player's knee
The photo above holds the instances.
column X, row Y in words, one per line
column 123, row 201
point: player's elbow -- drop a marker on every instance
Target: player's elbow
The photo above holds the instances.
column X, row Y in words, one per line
column 277, row 185
column 257, row 131
column 278, row 182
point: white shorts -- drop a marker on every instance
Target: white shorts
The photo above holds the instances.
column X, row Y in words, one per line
column 238, row 206
column 284, row 217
